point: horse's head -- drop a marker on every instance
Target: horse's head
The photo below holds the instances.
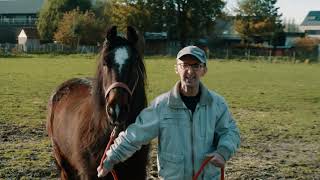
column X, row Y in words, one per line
column 119, row 73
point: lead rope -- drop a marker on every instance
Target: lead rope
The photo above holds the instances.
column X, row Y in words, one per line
column 112, row 137
column 115, row 177
column 205, row 162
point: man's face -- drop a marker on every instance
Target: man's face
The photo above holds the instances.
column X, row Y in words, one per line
column 190, row 71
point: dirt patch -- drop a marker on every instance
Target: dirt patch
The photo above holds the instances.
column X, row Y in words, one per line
column 15, row 133
column 265, row 153
column 286, row 160
column 269, row 149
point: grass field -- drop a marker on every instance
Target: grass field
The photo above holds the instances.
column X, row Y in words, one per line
column 277, row 107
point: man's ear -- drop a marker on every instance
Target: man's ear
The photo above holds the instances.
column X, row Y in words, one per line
column 204, row 71
column 176, row 69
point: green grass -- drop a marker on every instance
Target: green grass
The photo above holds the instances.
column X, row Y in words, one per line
column 277, row 107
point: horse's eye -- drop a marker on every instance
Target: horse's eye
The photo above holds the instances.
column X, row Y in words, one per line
column 110, row 110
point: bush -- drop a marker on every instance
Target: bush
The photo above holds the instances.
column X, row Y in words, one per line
column 307, row 48
column 79, row 28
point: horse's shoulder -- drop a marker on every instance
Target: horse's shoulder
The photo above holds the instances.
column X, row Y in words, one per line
column 75, row 85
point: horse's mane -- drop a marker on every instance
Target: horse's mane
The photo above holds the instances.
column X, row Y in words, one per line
column 98, row 126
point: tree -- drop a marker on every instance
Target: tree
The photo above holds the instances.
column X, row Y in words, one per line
column 125, row 13
column 77, row 27
column 290, row 25
column 102, row 9
column 51, row 13
column 307, row 47
column 258, row 20
column 185, row 19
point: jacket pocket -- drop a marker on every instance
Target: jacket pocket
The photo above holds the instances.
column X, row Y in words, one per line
column 171, row 166
column 174, row 118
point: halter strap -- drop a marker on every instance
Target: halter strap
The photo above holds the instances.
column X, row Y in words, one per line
column 123, row 85
column 118, row 84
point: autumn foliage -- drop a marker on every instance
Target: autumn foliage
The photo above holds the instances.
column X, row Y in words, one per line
column 79, row 28
column 307, row 44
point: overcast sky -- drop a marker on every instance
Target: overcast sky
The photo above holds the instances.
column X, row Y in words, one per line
column 290, row 9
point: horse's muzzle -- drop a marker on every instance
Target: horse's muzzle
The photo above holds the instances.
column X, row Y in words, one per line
column 117, row 116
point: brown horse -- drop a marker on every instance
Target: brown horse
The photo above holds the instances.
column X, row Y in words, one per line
column 82, row 112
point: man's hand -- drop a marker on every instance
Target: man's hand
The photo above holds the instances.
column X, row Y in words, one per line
column 217, row 160
column 102, row 171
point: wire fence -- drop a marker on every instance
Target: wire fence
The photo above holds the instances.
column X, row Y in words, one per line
column 10, row 49
column 285, row 54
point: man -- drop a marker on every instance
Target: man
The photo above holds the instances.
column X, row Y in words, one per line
column 190, row 122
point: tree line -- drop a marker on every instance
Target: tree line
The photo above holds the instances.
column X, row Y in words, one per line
column 75, row 22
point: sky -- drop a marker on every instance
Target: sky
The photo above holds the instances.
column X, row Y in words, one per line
column 290, row 9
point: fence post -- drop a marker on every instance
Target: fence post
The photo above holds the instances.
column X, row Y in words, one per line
column 294, row 56
column 318, row 52
column 270, row 55
column 227, row 56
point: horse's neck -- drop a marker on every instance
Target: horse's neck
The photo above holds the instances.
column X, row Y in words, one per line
column 139, row 101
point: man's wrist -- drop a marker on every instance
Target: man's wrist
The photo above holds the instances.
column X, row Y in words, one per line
column 107, row 164
column 224, row 152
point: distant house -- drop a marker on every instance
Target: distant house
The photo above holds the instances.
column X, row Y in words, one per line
column 156, row 43
column 15, row 15
column 227, row 34
column 291, row 37
column 29, row 39
column 311, row 24
column 225, row 31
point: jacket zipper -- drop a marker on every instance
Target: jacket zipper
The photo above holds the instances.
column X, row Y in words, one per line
column 192, row 148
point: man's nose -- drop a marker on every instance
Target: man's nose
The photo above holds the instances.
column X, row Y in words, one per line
column 190, row 69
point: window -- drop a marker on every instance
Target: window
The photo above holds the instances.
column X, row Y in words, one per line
column 311, row 17
column 313, row 32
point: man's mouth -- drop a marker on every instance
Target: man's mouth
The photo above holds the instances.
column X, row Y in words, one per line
column 189, row 79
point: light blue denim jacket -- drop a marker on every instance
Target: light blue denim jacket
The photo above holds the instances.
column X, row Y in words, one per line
column 184, row 139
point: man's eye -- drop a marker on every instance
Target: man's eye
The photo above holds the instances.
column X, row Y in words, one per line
column 195, row 65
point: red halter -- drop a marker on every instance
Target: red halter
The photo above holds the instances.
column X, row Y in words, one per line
column 122, row 85
column 118, row 84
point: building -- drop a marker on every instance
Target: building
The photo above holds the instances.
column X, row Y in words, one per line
column 291, row 37
column 15, row 15
column 311, row 24
column 156, row 43
column 29, row 39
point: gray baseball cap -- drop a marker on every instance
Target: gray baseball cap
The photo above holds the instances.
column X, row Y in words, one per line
column 194, row 51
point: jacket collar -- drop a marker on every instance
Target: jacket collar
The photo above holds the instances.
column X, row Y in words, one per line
column 175, row 100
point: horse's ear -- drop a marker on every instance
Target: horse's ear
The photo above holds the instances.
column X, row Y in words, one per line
column 132, row 35
column 112, row 33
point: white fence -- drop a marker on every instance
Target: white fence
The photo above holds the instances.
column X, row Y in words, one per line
column 45, row 48
column 171, row 49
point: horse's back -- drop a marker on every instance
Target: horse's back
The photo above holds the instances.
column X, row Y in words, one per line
column 73, row 87
column 68, row 102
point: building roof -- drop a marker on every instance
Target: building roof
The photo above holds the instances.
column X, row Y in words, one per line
column 20, row 6
column 155, row 35
column 31, row 33
column 312, row 19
